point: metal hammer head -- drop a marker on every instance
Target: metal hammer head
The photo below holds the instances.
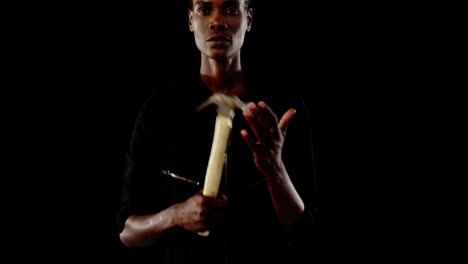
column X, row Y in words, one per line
column 225, row 104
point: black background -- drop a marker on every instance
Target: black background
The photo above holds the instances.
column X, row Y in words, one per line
column 384, row 84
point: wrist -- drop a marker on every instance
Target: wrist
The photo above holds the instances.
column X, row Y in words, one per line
column 275, row 172
column 174, row 215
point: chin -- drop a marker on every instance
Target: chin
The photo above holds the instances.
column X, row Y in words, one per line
column 219, row 55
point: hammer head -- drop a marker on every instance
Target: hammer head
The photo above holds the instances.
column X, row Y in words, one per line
column 225, row 104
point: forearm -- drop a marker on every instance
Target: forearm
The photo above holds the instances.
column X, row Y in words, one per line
column 287, row 202
column 146, row 230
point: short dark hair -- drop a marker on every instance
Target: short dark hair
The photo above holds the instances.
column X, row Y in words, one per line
column 189, row 3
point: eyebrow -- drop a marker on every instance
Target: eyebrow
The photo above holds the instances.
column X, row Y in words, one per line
column 202, row 3
column 207, row 3
column 231, row 3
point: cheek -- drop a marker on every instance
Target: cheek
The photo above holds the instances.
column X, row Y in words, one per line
column 236, row 26
column 196, row 31
column 198, row 25
column 239, row 28
column 199, row 39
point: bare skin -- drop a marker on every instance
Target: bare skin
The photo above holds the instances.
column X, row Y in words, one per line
column 196, row 214
column 219, row 28
column 266, row 144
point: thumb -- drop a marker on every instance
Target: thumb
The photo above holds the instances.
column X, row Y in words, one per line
column 285, row 119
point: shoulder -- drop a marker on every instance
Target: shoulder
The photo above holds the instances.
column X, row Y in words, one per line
column 157, row 99
column 277, row 87
column 284, row 98
column 171, row 90
column 179, row 95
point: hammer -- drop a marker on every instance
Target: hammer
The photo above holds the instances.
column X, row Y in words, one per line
column 225, row 106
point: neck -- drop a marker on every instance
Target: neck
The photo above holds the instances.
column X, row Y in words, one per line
column 219, row 68
column 223, row 75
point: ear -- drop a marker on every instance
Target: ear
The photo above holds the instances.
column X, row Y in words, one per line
column 249, row 19
column 190, row 15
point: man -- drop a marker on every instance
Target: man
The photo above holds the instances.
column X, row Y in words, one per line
column 259, row 213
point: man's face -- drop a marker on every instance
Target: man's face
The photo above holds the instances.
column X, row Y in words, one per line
column 219, row 26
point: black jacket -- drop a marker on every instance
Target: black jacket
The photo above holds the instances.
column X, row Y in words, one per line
column 171, row 135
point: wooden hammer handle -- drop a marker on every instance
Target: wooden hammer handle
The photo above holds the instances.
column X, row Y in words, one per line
column 215, row 167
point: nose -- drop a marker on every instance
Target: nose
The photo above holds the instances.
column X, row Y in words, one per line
column 218, row 26
column 218, row 23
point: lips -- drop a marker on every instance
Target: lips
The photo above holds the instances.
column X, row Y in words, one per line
column 219, row 41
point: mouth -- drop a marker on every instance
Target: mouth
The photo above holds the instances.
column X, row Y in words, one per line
column 219, row 41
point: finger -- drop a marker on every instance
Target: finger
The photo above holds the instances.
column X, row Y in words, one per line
column 213, row 210
column 248, row 139
column 285, row 119
column 218, row 202
column 269, row 115
column 252, row 121
column 222, row 196
column 209, row 202
column 268, row 112
column 217, row 205
column 261, row 117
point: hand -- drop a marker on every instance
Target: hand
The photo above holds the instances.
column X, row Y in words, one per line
column 269, row 134
column 200, row 213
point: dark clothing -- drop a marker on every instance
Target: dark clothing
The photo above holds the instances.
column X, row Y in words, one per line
column 171, row 135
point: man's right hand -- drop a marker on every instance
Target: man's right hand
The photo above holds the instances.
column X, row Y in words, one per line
column 200, row 213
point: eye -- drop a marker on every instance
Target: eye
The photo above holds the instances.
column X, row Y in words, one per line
column 203, row 11
column 232, row 11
